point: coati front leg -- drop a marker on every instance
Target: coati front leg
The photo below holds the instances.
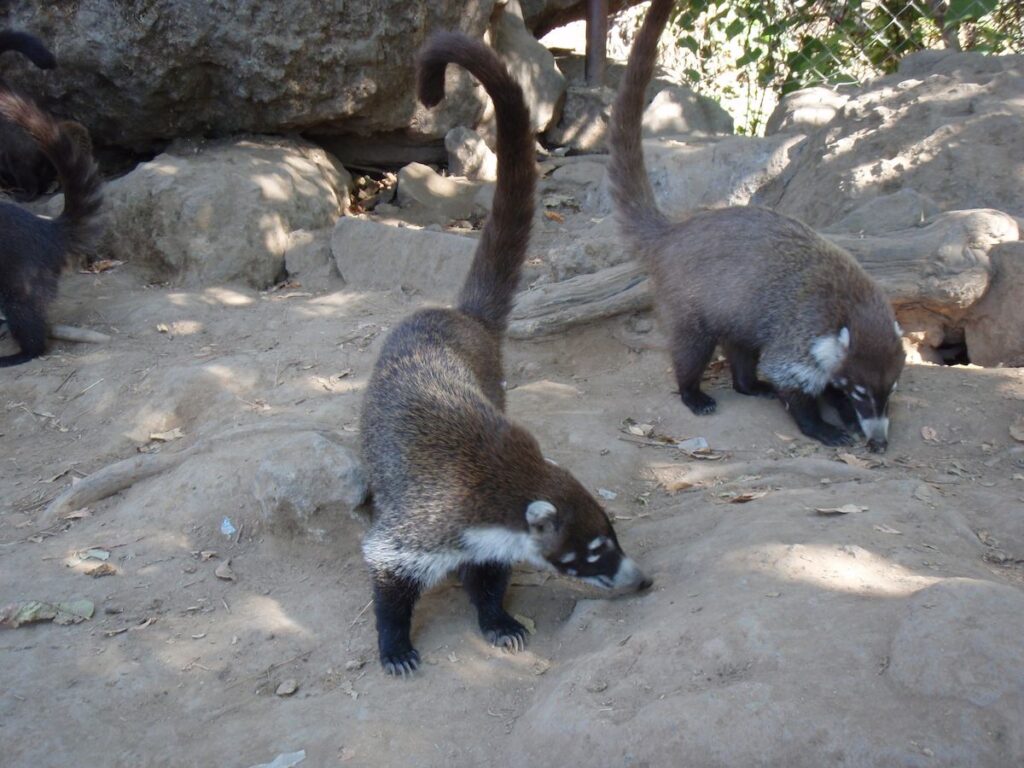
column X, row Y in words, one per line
column 393, row 599
column 27, row 323
column 743, row 364
column 486, row 584
column 806, row 413
column 692, row 348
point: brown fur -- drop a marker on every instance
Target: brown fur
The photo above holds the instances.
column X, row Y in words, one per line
column 765, row 286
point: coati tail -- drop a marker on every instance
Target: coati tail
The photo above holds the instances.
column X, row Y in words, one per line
column 79, row 176
column 494, row 275
column 635, row 206
column 29, row 46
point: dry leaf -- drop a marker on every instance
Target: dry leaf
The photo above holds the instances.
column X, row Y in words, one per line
column 94, row 554
column 1017, row 429
column 526, row 621
column 846, row 509
column 207, row 554
column 785, row 438
column 555, row 216
column 854, row 461
column 744, row 496
column 101, row 265
column 674, row 486
column 163, row 328
column 224, row 571
column 103, row 569
column 77, row 514
column 168, row 436
column 929, row 434
column 29, row 611
column 540, row 666
column 886, row 529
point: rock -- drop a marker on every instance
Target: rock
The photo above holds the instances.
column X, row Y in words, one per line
column 140, row 75
column 304, row 475
column 440, row 199
column 960, row 640
column 805, row 110
column 952, row 135
column 378, row 257
column 308, row 257
column 678, row 111
column 544, row 15
column 886, row 213
column 584, row 121
column 530, row 63
column 287, row 687
column 221, row 211
column 994, row 327
column 469, row 155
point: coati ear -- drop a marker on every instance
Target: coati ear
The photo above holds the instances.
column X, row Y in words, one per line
column 830, row 351
column 843, row 337
column 539, row 513
column 899, row 331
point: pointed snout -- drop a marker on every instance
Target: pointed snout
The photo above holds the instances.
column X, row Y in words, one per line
column 877, row 433
column 630, row 577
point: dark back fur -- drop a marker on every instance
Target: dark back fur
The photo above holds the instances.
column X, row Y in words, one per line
column 494, row 275
column 29, row 46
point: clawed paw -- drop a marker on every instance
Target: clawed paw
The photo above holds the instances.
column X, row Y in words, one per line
column 401, row 664
column 508, row 634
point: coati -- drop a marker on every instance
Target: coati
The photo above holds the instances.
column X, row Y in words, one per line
column 457, row 485
column 25, row 172
column 778, row 297
column 33, row 249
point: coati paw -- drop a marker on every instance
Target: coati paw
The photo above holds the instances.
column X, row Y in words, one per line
column 506, row 633
column 832, row 436
column 699, row 403
column 757, row 389
column 401, row 664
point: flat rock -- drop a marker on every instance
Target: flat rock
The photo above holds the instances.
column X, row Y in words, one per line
column 805, row 110
column 678, row 111
column 432, row 197
column 469, row 155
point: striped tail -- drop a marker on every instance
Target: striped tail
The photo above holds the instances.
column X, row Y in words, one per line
column 494, row 275
column 635, row 207
column 70, row 156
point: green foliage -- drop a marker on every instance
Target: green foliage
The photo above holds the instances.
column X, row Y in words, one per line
column 764, row 49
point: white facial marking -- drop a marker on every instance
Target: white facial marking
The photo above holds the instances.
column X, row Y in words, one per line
column 875, row 428
column 551, row 461
column 597, row 543
column 497, row 544
column 567, row 558
column 538, row 511
column 628, row 575
column 571, row 571
column 829, row 352
column 593, row 558
column 899, row 331
column 844, row 337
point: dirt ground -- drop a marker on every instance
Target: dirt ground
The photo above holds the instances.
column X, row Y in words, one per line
column 774, row 635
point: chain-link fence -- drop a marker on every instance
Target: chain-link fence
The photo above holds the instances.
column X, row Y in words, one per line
column 748, row 53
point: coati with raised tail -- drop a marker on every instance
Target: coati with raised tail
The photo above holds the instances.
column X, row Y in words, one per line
column 778, row 297
column 24, row 172
column 34, row 250
column 457, row 485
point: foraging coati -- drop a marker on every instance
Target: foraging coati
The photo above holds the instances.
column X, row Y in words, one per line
column 776, row 295
column 33, row 249
column 24, row 171
column 457, row 485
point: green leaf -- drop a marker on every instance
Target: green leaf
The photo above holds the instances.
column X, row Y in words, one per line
column 961, row 11
column 735, row 28
column 692, row 74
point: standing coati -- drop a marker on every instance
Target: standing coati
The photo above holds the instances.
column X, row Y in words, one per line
column 457, row 485
column 33, row 249
column 775, row 294
column 24, row 172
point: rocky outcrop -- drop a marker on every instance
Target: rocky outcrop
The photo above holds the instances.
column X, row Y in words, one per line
column 222, row 211
column 139, row 75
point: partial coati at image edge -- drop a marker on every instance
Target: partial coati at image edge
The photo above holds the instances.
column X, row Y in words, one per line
column 778, row 297
column 457, row 485
column 34, row 250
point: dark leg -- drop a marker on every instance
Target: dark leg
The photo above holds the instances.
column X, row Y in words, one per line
column 393, row 601
column 691, row 351
column 804, row 410
column 28, row 327
column 743, row 363
column 843, row 408
column 486, row 584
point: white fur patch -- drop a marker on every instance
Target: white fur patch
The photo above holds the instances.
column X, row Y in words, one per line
column 593, row 558
column 628, row 575
column 899, row 331
column 597, row 543
column 538, row 511
column 497, row 544
column 567, row 558
column 806, row 378
column 830, row 351
column 875, row 428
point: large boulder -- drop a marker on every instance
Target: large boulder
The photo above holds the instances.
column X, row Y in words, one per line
column 139, row 75
column 947, row 126
column 222, row 211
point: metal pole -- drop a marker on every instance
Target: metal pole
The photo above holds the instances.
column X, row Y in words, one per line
column 597, row 41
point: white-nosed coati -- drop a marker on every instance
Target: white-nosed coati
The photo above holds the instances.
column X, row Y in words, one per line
column 457, row 486
column 24, row 172
column 33, row 249
column 778, row 297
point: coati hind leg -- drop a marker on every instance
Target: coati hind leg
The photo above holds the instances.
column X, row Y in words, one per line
column 486, row 584
column 743, row 364
column 806, row 413
column 393, row 599
column 692, row 348
column 27, row 325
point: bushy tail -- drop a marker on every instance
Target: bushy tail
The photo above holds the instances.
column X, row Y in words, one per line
column 29, row 46
column 635, row 207
column 70, row 155
column 494, row 275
